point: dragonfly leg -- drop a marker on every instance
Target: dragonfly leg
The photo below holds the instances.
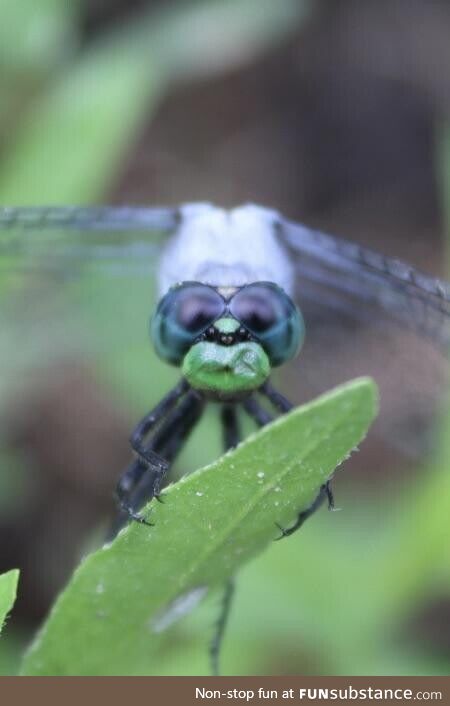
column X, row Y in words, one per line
column 231, row 438
column 230, row 426
column 221, row 623
column 256, row 412
column 140, row 482
column 276, row 398
column 170, row 438
column 325, row 492
column 127, row 482
column 147, row 454
column 283, row 405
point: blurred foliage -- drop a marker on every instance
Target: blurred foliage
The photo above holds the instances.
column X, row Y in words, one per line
column 341, row 596
column 97, row 101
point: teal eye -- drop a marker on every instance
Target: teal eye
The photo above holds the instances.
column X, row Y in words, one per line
column 267, row 312
column 183, row 314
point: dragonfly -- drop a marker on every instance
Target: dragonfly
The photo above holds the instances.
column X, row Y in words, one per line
column 238, row 292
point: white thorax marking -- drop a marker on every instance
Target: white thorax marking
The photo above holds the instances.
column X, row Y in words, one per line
column 225, row 249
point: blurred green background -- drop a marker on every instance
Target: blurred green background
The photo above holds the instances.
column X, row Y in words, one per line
column 334, row 113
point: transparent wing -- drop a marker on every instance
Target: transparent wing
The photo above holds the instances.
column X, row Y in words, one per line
column 49, row 236
column 370, row 315
column 89, row 218
column 361, row 283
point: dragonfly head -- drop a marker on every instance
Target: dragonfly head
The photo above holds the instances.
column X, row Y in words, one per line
column 227, row 340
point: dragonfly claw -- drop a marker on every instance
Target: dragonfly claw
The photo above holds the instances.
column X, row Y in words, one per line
column 140, row 519
column 284, row 532
column 135, row 516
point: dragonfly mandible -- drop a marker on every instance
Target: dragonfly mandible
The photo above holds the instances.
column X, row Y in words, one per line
column 235, row 287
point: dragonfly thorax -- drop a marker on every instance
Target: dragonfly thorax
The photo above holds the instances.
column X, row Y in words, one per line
column 226, row 248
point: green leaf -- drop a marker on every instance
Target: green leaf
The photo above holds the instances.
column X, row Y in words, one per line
column 8, row 590
column 113, row 616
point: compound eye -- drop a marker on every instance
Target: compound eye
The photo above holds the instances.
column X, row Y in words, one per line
column 182, row 316
column 271, row 317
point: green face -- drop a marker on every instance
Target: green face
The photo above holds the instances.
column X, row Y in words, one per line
column 226, row 371
column 226, row 342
